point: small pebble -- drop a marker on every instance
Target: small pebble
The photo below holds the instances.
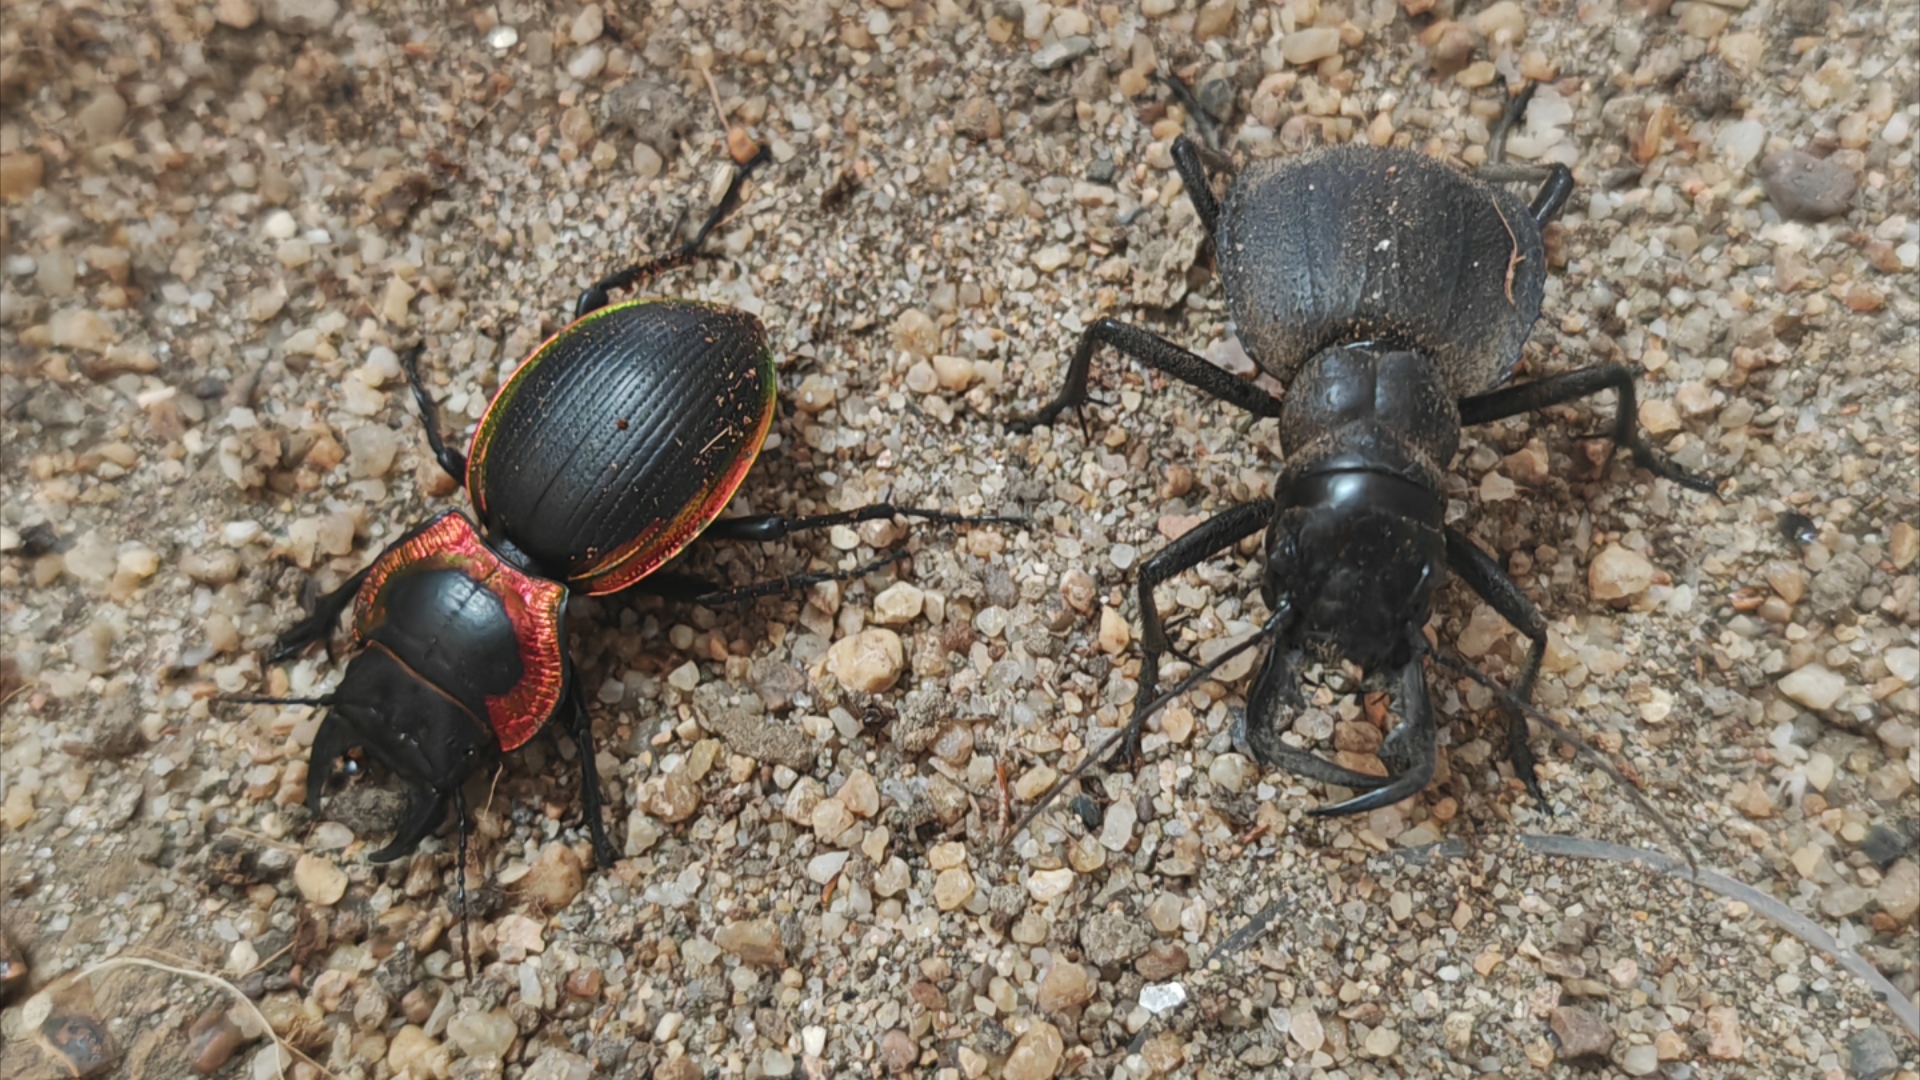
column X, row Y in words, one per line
column 319, row 880
column 869, row 661
column 1617, row 573
column 1807, row 188
column 1871, row 1054
column 1581, row 1033
column 1814, row 686
column 1036, row 1055
column 1310, row 45
column 754, row 941
column 1065, row 985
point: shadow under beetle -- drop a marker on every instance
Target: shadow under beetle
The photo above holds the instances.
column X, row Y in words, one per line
column 610, row 448
column 1391, row 295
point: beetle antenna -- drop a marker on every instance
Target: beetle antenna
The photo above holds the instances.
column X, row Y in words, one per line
column 255, row 699
column 1139, row 721
column 466, row 909
column 1568, row 737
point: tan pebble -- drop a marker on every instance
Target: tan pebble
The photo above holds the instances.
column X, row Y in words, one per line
column 1617, row 573
column 954, row 373
column 1052, row 257
column 1381, row 1042
column 1134, row 83
column 946, row 856
column 1898, row 893
column 396, row 304
column 869, row 661
column 516, row 931
column 1065, row 985
column 237, row 14
column 21, row 175
column 1114, row 632
column 1034, row 782
column 830, row 819
column 1449, row 45
column 416, row 1053
column 952, row 888
column 1659, row 416
column 1903, row 545
column 916, row 333
column 1814, row 686
column 1478, row 74
column 1502, row 23
column 81, row 330
column 1751, row 800
column 1215, row 18
column 1310, row 45
column 319, row 880
column 17, row 810
column 556, row 876
column 1304, row 1027
column 1036, row 1055
column 1669, row 1045
column 1703, row 21
column 1725, row 1041
column 754, row 941
column 860, row 794
column 900, row 603
column 1047, row 885
column 671, row 798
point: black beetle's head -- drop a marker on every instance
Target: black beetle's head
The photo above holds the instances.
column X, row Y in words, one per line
column 1356, row 578
column 406, row 726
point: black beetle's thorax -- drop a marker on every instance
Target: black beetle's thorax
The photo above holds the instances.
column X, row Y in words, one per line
column 1360, row 399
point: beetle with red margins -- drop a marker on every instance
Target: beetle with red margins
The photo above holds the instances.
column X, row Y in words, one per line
column 610, row 448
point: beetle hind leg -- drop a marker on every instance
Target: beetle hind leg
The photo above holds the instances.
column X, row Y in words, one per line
column 1158, row 353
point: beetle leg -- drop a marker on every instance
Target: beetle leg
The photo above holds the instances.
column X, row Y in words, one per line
column 1488, row 581
column 580, row 726
column 318, row 624
column 1193, row 175
column 763, row 528
column 1553, row 195
column 1193, row 547
column 1571, row 386
column 1412, row 746
column 426, row 809
column 451, row 460
column 596, row 296
column 1158, row 353
column 793, row 582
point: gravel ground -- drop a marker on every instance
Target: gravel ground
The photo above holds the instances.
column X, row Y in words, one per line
column 221, row 221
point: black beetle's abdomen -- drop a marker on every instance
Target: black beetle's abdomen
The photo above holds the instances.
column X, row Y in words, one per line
column 622, row 437
column 1357, row 243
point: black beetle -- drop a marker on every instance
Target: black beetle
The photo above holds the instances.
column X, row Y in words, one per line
column 610, row 448
column 1390, row 294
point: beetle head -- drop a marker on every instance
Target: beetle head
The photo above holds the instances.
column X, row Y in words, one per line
column 1356, row 578
column 405, row 725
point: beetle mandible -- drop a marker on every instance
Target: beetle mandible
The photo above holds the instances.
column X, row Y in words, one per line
column 1391, row 295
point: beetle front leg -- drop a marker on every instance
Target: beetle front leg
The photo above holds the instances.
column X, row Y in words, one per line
column 319, row 623
column 452, row 461
column 1502, row 593
column 1571, row 386
column 1158, row 353
column 1202, row 542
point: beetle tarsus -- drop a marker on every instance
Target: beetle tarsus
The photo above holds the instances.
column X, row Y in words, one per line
column 1572, row 386
column 452, row 461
